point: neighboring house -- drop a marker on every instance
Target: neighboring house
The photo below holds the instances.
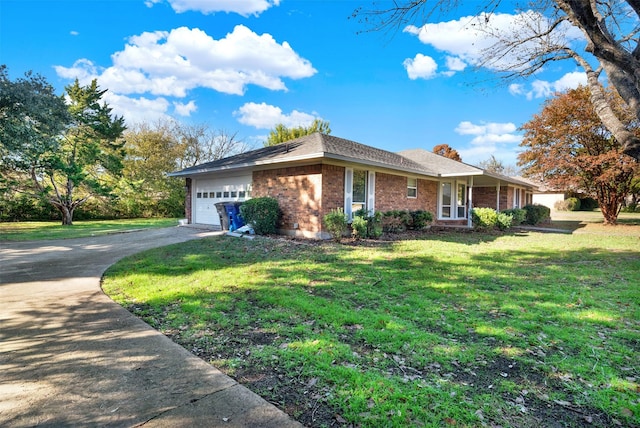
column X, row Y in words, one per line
column 548, row 196
column 314, row 174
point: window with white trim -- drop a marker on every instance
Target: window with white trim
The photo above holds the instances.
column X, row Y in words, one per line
column 453, row 200
column 359, row 191
column 412, row 187
column 445, row 199
column 462, row 200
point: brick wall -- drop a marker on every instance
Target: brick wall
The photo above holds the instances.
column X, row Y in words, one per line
column 306, row 193
column 299, row 194
column 391, row 194
column 485, row 197
column 332, row 188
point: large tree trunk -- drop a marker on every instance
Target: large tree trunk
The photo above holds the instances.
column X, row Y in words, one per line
column 610, row 203
column 628, row 140
column 610, row 213
column 67, row 215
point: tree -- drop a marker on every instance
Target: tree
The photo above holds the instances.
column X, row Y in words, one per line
column 281, row 133
column 32, row 117
column 541, row 36
column 65, row 159
column 497, row 166
column 200, row 144
column 568, row 147
column 152, row 151
column 447, row 152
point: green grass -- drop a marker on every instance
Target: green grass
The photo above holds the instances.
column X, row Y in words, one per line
column 452, row 329
column 37, row 230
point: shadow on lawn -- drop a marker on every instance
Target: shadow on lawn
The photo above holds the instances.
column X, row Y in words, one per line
column 493, row 323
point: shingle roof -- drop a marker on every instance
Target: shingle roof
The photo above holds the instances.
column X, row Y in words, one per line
column 312, row 146
column 440, row 165
column 322, row 146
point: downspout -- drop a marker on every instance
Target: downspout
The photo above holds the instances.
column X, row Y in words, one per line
column 470, row 202
column 498, row 197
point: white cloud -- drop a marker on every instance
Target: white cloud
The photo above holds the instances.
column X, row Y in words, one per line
column 74, row 33
column 492, row 138
column 137, row 110
column 422, row 66
column 182, row 109
column 171, row 63
column 83, row 70
column 241, row 7
column 467, row 39
column 543, row 88
column 265, row 116
column 516, row 89
column 455, row 63
column 468, row 128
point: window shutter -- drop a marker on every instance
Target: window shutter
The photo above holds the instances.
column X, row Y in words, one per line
column 371, row 193
column 348, row 191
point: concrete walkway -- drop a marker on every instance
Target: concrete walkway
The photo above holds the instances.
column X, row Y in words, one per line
column 70, row 356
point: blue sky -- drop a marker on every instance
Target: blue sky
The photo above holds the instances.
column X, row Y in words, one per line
column 243, row 66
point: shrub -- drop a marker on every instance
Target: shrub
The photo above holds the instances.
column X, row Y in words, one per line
column 395, row 221
column 518, row 215
column 569, row 204
column 536, row 214
column 484, row 218
column 262, row 214
column 588, row 204
column 373, row 224
column 560, row 205
column 631, row 208
column 359, row 227
column 336, row 223
column 504, row 221
column 421, row 219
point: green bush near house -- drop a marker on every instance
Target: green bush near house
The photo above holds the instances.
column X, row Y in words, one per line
column 504, row 221
column 518, row 215
column 359, row 227
column 421, row 220
column 262, row 214
column 336, row 223
column 370, row 225
column 536, row 214
column 484, row 218
column 396, row 221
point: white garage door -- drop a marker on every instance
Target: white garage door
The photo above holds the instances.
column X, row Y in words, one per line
column 208, row 192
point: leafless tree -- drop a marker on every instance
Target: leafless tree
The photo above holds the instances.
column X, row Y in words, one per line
column 201, row 144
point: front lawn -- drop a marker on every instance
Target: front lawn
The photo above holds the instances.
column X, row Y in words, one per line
column 37, row 230
column 449, row 329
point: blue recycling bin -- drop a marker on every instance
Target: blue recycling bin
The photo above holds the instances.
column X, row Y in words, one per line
column 235, row 219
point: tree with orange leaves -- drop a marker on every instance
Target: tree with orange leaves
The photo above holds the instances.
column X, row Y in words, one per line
column 447, row 152
column 568, row 147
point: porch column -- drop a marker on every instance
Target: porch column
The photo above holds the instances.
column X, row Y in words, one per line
column 498, row 197
column 470, row 202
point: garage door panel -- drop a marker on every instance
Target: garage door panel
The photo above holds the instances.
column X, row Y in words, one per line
column 208, row 192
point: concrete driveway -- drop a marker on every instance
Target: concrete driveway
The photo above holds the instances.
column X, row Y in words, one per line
column 70, row 356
